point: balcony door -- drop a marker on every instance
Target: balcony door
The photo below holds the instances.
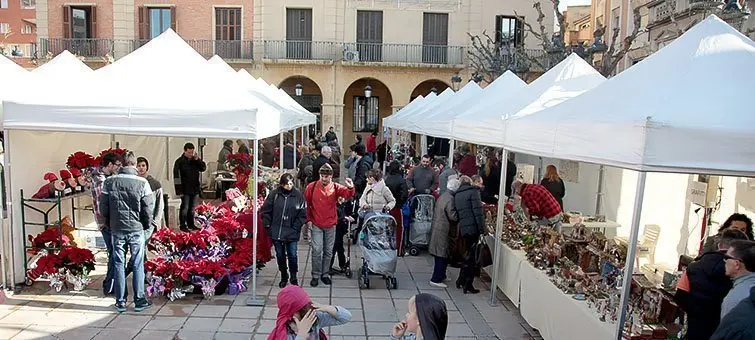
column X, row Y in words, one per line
column 79, row 32
column 298, row 33
column 435, row 38
column 228, row 23
column 370, row 35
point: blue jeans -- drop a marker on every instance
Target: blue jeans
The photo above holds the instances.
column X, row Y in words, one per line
column 439, row 271
column 287, row 251
column 107, row 284
column 134, row 243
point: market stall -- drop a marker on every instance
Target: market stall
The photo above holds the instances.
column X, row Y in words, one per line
column 664, row 132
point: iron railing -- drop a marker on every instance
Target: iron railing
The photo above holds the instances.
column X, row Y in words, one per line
column 226, row 49
column 404, row 53
column 87, row 48
column 302, row 50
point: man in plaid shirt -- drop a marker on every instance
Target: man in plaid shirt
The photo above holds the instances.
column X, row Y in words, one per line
column 109, row 166
column 538, row 201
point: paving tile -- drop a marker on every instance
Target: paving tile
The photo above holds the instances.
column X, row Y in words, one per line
column 74, row 319
column 353, row 328
column 78, row 333
column 194, row 335
column 265, row 326
column 233, row 336
column 341, row 293
column 379, row 328
column 116, row 334
column 155, row 335
column 459, row 330
column 166, row 323
column 7, row 331
column 125, row 321
column 270, row 313
column 244, row 312
column 348, row 303
column 176, row 310
column 210, row 311
column 356, row 315
column 238, row 325
column 376, row 293
column 314, row 293
column 404, row 293
column 36, row 332
column 379, row 314
column 21, row 317
column 202, row 324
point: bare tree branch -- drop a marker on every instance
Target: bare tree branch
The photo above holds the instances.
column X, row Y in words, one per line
column 613, row 57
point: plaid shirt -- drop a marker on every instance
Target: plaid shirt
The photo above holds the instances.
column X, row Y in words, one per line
column 95, row 180
column 539, row 201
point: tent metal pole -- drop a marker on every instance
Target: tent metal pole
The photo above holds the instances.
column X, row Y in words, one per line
column 167, row 159
column 6, row 242
column 294, row 140
column 280, row 150
column 631, row 253
column 254, row 300
column 499, row 227
column 599, row 198
column 451, row 147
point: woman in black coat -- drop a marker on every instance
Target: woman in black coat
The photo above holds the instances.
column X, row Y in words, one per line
column 396, row 183
column 283, row 214
column 471, row 227
column 554, row 184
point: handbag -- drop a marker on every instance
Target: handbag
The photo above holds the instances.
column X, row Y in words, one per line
column 483, row 256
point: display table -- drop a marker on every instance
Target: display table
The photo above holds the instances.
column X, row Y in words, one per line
column 509, row 263
column 555, row 314
column 608, row 228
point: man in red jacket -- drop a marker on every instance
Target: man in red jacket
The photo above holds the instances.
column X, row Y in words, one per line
column 322, row 199
column 372, row 144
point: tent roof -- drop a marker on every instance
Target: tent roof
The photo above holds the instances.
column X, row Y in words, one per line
column 298, row 116
column 64, row 65
column 164, row 88
column 437, row 122
column 683, row 109
column 417, row 102
column 405, row 122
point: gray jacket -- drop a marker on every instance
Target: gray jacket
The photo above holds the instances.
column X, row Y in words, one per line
column 325, row 320
column 423, row 180
column 444, row 227
column 126, row 202
column 443, row 178
column 739, row 292
column 157, row 191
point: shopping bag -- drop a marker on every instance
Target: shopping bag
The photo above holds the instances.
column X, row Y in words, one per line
column 483, row 256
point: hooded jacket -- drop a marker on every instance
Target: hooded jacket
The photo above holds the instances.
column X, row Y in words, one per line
column 283, row 214
column 433, row 316
column 469, row 207
column 126, row 202
column 378, row 197
column 292, row 299
column 708, row 285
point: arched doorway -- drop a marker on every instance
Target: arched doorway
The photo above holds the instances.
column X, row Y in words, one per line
column 310, row 97
column 363, row 112
column 424, row 88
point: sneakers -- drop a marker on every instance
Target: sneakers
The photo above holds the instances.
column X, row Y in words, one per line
column 142, row 305
column 439, row 285
column 120, row 307
column 314, row 282
column 326, row 280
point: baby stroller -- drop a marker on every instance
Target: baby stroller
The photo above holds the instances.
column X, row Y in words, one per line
column 378, row 243
column 421, row 208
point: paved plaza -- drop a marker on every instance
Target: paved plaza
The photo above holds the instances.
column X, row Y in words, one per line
column 38, row 313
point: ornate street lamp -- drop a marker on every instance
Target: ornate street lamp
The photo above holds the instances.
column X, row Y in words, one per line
column 299, row 90
column 476, row 78
column 434, row 90
column 368, row 91
column 455, row 81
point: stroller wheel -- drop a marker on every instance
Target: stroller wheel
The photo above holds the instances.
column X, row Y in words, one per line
column 348, row 272
column 394, row 283
column 413, row 251
column 388, row 284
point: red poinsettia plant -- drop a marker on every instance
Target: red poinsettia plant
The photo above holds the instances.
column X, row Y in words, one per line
column 80, row 160
column 51, row 238
column 77, row 261
column 46, row 265
column 118, row 151
column 208, row 269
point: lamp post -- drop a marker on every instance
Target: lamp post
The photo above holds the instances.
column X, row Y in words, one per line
column 299, row 90
column 434, row 90
column 476, row 78
column 455, row 81
column 368, row 91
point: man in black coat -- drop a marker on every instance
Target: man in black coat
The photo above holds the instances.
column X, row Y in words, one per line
column 738, row 325
column 471, row 226
column 283, row 215
column 364, row 164
column 188, row 184
column 322, row 159
column 708, row 285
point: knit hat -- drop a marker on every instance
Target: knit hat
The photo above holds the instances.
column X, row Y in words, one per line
column 326, row 169
column 65, row 174
column 50, row 177
column 75, row 172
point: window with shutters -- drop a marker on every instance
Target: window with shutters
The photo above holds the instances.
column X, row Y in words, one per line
column 509, row 30
column 366, row 114
column 28, row 4
column 435, row 38
column 4, row 27
column 28, row 29
column 80, row 31
column 228, row 23
column 3, row 3
column 370, row 35
column 298, row 33
column 160, row 20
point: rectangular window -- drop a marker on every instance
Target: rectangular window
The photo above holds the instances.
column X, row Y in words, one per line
column 4, row 27
column 366, row 114
column 3, row 3
column 509, row 30
column 299, row 33
column 159, row 21
column 435, row 38
column 370, row 35
column 228, row 23
column 28, row 29
column 28, row 3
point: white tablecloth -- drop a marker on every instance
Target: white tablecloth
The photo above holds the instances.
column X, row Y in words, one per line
column 509, row 265
column 555, row 314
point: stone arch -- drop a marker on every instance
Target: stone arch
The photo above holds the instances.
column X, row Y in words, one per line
column 311, row 97
column 425, row 87
column 363, row 115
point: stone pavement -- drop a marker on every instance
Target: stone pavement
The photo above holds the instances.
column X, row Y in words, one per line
column 38, row 313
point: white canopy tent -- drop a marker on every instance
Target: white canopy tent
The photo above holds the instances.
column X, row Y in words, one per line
column 61, row 67
column 436, row 123
column 680, row 110
column 414, row 104
column 406, row 121
column 16, row 80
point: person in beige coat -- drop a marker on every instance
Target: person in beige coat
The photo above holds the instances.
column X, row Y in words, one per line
column 377, row 197
column 444, row 231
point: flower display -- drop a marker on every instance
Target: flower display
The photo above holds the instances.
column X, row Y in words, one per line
column 80, row 160
column 59, row 261
column 77, row 261
column 51, row 238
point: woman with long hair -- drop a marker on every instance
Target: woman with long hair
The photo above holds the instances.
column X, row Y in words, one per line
column 427, row 319
column 491, row 176
column 555, row 185
column 301, row 318
column 736, row 221
column 396, row 183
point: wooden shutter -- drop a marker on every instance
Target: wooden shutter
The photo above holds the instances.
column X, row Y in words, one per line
column 93, row 22
column 498, row 28
column 143, row 23
column 173, row 18
column 299, row 24
column 66, row 22
column 435, row 30
column 370, row 26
